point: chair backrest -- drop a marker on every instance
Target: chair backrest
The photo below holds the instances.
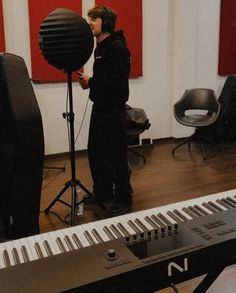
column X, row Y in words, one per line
column 197, row 99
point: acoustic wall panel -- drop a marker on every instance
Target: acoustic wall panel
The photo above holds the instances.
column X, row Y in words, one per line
column 2, row 38
column 38, row 11
column 130, row 21
column 227, row 45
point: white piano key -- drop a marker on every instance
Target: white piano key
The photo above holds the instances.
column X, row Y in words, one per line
column 52, row 244
column 31, row 242
column 39, row 239
column 2, row 248
column 25, row 243
column 18, row 246
column 80, row 233
column 9, row 247
column 99, row 227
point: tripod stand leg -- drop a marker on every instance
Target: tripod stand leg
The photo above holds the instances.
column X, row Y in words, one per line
column 57, row 198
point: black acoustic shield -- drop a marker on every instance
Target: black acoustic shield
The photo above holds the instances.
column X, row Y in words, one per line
column 65, row 39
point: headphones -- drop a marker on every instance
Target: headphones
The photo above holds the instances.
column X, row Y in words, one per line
column 108, row 20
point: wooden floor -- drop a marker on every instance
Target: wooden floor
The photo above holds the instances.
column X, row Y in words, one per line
column 162, row 180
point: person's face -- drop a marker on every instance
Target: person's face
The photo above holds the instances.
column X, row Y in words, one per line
column 95, row 25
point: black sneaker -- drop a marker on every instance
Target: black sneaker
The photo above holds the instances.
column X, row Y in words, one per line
column 120, row 209
column 90, row 199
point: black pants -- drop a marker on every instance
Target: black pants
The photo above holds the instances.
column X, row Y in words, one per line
column 107, row 155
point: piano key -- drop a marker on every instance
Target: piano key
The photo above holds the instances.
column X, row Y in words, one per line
column 231, row 200
column 53, row 247
column 9, row 255
column 161, row 225
column 38, row 250
column 147, row 231
column 58, row 238
column 216, row 206
column 202, row 210
column 25, row 254
column 99, row 228
column 80, row 233
column 76, row 240
column 31, row 243
column 39, row 240
column 109, row 233
column 99, row 233
column 26, row 243
column 47, row 248
column 2, row 248
column 123, row 227
column 190, row 213
column 6, row 259
column 16, row 256
column 153, row 224
column 174, row 217
column 223, row 204
column 229, row 203
column 69, row 243
column 170, row 224
column 180, row 215
column 17, row 245
column 195, row 211
column 137, row 230
column 210, row 208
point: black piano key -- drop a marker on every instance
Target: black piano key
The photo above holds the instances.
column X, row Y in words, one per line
column 6, row 259
column 125, row 232
column 147, row 231
column 60, row 245
column 38, row 250
column 201, row 210
column 153, row 224
column 89, row 238
column 191, row 214
column 15, row 256
column 97, row 236
column 25, row 254
column 77, row 241
column 228, row 202
column 193, row 210
column 210, row 207
column 69, row 243
column 174, row 217
column 180, row 215
column 223, row 204
column 219, row 209
column 116, row 231
column 231, row 200
column 109, row 233
column 136, row 229
column 165, row 220
column 47, row 248
column 161, row 225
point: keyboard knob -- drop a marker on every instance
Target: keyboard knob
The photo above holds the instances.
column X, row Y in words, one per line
column 111, row 254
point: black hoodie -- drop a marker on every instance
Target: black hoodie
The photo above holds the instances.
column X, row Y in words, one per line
column 109, row 85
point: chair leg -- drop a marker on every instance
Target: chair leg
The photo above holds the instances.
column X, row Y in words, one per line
column 186, row 140
column 137, row 154
column 204, row 153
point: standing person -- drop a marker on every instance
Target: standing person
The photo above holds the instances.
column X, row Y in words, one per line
column 109, row 91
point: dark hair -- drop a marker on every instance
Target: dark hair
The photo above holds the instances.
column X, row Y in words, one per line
column 107, row 15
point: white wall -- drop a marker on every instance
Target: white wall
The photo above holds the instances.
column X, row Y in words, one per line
column 180, row 50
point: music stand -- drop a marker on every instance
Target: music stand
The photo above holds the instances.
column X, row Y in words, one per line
column 67, row 42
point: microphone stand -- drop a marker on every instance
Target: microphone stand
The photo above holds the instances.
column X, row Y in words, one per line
column 74, row 182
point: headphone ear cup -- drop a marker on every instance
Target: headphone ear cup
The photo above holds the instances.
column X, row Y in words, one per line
column 106, row 25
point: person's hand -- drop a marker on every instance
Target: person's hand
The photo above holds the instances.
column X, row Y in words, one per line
column 83, row 80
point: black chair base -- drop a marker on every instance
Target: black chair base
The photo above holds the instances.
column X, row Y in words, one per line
column 137, row 154
column 197, row 136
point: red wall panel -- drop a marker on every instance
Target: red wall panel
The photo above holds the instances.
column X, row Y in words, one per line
column 38, row 10
column 2, row 39
column 227, row 46
column 129, row 19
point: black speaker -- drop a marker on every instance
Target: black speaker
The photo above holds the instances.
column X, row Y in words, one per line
column 108, row 20
column 21, row 149
column 66, row 40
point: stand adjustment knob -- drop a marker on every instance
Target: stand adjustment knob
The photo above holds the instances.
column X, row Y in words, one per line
column 111, row 254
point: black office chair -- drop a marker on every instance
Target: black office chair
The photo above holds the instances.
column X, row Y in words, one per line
column 197, row 108
column 136, row 123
